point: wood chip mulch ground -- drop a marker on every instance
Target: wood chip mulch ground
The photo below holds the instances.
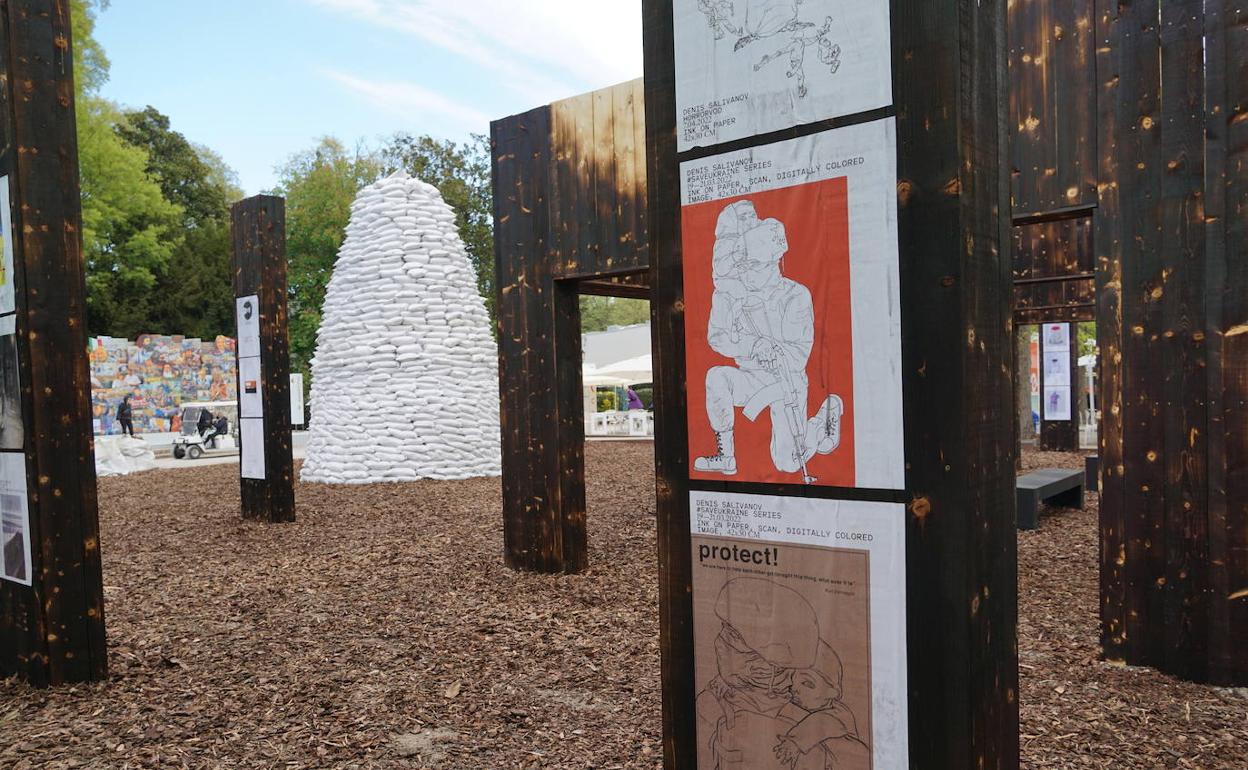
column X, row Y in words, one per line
column 382, row 631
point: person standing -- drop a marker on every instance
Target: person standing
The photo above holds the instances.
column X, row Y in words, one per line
column 125, row 417
column 634, row 400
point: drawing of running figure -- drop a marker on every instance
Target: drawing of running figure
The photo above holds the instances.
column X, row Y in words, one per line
column 765, row 322
column 754, row 20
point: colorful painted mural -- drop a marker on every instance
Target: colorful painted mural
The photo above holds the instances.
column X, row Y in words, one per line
column 158, row 373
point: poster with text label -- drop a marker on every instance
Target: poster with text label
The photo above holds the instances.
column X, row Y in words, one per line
column 15, row 556
column 248, row 315
column 799, row 618
column 749, row 67
column 792, row 307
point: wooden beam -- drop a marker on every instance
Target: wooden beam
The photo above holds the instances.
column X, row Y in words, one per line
column 51, row 632
column 258, row 230
column 949, row 89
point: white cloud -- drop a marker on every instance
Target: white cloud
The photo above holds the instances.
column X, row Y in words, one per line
column 411, row 100
column 542, row 50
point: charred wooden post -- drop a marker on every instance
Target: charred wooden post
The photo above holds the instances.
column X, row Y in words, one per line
column 1170, row 248
column 949, row 93
column 51, row 594
column 569, row 218
column 267, row 475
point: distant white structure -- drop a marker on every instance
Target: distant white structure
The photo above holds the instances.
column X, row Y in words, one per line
column 405, row 377
column 618, row 343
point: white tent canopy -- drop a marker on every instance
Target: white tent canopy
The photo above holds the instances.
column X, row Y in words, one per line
column 632, row 370
column 592, row 377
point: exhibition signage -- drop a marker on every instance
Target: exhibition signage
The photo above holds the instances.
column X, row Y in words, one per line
column 250, row 388
column 792, row 355
column 15, row 557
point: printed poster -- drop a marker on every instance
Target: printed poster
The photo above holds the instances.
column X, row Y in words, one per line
column 748, row 67
column 8, row 296
column 1057, row 368
column 12, row 430
column 251, row 456
column 1057, row 404
column 799, row 616
column 250, row 388
column 15, row 558
column 296, row 399
column 248, row 310
column 793, row 321
column 1057, row 337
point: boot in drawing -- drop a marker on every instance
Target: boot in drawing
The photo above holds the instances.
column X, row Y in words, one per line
column 827, row 425
column 725, row 458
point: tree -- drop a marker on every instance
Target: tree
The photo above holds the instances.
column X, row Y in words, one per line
column 461, row 172
column 129, row 229
column 600, row 313
column 319, row 186
column 193, row 295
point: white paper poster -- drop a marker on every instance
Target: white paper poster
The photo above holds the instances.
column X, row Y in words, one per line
column 1057, row 404
column 799, row 621
column 15, row 557
column 296, row 399
column 793, row 311
column 12, row 430
column 251, row 435
column 248, row 312
column 1057, row 368
column 748, row 67
column 8, row 301
column 250, row 388
column 1057, row 337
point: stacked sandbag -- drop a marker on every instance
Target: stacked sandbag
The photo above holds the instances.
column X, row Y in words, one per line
column 405, row 377
column 122, row 455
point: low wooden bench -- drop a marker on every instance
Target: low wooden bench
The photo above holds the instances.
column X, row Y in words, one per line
column 1054, row 485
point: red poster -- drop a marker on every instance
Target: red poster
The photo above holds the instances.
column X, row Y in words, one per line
column 769, row 336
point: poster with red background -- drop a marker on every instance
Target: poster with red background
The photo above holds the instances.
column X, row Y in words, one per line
column 815, row 217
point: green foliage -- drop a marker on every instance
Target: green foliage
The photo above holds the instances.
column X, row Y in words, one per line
column 608, row 400
column 193, row 295
column 600, row 313
column 319, row 186
column 90, row 63
column 646, row 394
column 1086, row 334
column 129, row 229
column 461, row 172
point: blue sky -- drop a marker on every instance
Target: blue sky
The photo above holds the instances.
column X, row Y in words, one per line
column 258, row 80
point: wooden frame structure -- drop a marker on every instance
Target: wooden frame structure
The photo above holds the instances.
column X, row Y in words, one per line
column 570, row 217
column 1172, row 267
column 949, row 90
column 52, row 632
column 258, row 233
column 1130, row 133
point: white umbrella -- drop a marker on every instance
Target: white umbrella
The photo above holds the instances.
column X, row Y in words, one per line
column 592, row 377
column 632, row 370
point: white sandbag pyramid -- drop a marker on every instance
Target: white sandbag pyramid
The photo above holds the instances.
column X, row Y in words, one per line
column 405, row 377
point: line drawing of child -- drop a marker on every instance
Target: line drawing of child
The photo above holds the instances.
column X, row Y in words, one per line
column 829, row 724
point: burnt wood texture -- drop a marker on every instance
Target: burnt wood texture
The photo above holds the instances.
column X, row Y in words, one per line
column 950, row 91
column 53, row 632
column 1052, row 116
column 1171, row 277
column 258, row 232
column 569, row 218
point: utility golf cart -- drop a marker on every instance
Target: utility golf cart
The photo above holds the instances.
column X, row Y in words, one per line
column 219, row 439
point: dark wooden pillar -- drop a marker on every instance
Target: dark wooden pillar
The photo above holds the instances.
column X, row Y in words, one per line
column 957, row 362
column 1170, row 247
column 52, row 609
column 267, row 466
column 539, row 360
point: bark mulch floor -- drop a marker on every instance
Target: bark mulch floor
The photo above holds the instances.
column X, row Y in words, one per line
column 382, row 630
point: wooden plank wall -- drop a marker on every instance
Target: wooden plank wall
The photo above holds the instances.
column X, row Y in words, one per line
column 1053, row 169
column 258, row 231
column 53, row 632
column 1171, row 275
column 950, row 91
column 570, row 216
